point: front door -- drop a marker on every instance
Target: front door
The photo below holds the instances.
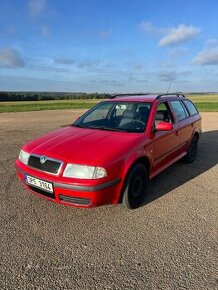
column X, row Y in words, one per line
column 166, row 143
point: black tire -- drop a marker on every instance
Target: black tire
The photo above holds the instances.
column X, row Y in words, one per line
column 135, row 187
column 192, row 150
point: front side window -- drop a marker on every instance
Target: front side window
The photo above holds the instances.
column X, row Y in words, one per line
column 116, row 116
column 178, row 110
column 163, row 114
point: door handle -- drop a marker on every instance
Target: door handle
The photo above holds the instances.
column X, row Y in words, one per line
column 177, row 133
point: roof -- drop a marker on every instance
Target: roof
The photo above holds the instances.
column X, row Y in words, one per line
column 144, row 98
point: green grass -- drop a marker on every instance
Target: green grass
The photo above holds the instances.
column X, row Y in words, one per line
column 46, row 105
column 205, row 103
column 203, row 98
column 207, row 107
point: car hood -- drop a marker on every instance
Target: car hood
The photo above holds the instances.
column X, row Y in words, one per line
column 83, row 146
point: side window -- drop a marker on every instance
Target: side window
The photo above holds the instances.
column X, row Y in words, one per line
column 191, row 107
column 178, row 110
column 163, row 114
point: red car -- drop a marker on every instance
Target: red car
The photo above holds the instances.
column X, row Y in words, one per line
column 109, row 153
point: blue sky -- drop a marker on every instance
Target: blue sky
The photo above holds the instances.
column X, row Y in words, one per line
column 108, row 45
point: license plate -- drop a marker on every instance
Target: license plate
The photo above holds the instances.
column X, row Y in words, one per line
column 47, row 186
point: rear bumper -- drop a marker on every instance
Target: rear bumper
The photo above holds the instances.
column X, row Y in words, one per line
column 91, row 195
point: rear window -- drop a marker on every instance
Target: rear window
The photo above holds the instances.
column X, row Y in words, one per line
column 191, row 107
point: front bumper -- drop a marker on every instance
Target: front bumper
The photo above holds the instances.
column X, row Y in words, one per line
column 81, row 195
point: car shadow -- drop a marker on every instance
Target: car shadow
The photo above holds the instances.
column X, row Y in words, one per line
column 181, row 172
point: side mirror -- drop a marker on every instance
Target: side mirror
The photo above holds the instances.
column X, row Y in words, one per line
column 164, row 126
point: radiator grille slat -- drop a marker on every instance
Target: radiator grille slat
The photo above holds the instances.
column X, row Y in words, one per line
column 50, row 165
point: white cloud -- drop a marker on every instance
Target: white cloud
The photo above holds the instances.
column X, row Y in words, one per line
column 64, row 60
column 176, row 52
column 168, row 76
column 171, row 76
column 179, row 34
column 211, row 42
column 36, row 7
column 89, row 64
column 207, row 57
column 170, row 36
column 11, row 58
column 148, row 27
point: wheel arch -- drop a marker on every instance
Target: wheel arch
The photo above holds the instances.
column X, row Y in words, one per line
column 196, row 134
column 140, row 160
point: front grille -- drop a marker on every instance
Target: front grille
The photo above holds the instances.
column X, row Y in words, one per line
column 41, row 191
column 50, row 165
column 75, row 200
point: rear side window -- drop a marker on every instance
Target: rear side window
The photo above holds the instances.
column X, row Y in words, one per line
column 191, row 107
column 178, row 110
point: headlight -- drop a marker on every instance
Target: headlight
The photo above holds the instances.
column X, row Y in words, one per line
column 24, row 157
column 84, row 172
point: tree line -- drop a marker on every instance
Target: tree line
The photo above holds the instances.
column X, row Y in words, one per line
column 40, row 96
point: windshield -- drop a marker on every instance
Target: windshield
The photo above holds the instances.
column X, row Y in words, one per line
column 116, row 116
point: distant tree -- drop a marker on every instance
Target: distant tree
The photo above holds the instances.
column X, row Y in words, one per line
column 39, row 96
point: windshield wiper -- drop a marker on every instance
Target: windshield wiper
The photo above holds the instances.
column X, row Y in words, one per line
column 104, row 128
column 79, row 126
column 111, row 129
column 108, row 128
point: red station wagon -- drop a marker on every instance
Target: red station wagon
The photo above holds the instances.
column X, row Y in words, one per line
column 109, row 153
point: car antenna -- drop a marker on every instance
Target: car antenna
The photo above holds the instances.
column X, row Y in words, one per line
column 169, row 86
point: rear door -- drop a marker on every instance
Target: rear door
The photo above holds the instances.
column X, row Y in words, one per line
column 181, row 116
column 195, row 118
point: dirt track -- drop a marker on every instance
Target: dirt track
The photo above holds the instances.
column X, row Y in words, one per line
column 169, row 243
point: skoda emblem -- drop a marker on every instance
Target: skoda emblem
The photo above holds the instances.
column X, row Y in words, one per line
column 43, row 159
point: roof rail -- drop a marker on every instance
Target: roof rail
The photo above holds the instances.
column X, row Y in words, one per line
column 170, row 94
column 128, row 95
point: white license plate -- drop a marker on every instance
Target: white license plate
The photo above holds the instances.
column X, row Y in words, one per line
column 47, row 186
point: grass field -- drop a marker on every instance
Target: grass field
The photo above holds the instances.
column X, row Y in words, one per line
column 46, row 105
column 205, row 103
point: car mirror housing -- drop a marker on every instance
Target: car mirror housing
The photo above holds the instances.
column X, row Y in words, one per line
column 164, row 126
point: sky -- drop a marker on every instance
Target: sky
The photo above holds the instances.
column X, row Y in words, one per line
column 109, row 46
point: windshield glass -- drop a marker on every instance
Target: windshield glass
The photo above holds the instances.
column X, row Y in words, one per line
column 116, row 116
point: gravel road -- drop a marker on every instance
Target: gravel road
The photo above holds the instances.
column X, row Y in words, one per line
column 169, row 243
